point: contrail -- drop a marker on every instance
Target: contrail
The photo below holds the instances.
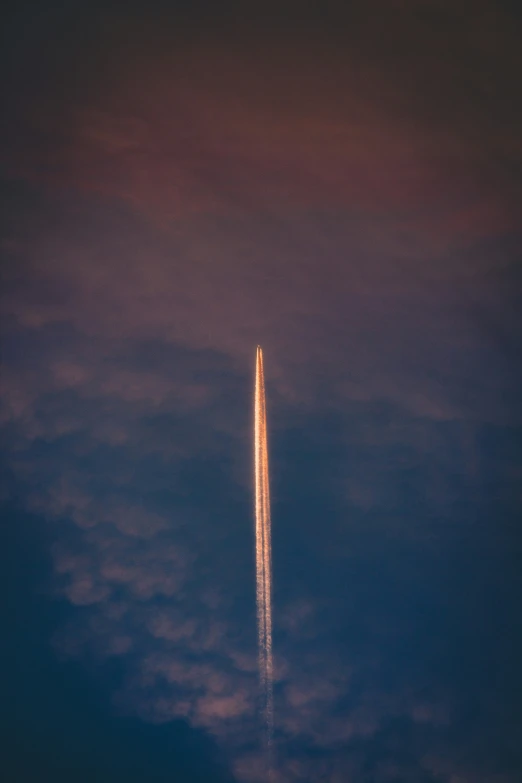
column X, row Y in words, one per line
column 263, row 556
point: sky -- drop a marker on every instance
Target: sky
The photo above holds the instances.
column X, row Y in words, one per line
column 340, row 183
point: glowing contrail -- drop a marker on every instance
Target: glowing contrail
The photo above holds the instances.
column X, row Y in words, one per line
column 263, row 554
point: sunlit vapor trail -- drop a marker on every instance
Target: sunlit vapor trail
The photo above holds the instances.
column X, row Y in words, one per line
column 263, row 555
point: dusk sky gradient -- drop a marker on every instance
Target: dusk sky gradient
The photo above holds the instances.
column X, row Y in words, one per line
column 340, row 183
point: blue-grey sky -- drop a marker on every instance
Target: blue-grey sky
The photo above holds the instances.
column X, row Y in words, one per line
column 341, row 186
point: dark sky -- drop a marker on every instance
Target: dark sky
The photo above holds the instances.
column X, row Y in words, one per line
column 342, row 184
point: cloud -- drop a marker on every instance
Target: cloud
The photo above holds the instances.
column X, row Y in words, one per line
column 154, row 595
column 365, row 115
column 127, row 412
column 159, row 576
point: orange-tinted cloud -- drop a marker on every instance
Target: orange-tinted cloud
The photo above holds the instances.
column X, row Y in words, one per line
column 404, row 109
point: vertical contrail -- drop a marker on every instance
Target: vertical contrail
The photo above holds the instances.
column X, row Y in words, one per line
column 263, row 555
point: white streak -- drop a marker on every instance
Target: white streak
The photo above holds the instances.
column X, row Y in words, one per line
column 263, row 555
